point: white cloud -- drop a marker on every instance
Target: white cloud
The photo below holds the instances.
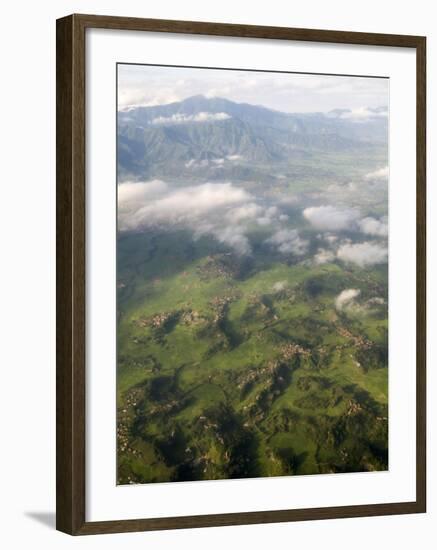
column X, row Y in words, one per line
column 220, row 210
column 264, row 220
column 363, row 254
column 329, row 238
column 234, row 237
column 380, row 174
column 330, row 218
column 272, row 211
column 372, row 226
column 248, row 211
column 290, row 200
column 181, row 205
column 193, row 163
column 363, row 114
column 346, row 298
column 288, row 241
column 271, row 215
column 347, row 301
column 279, row 286
column 137, row 95
column 180, row 118
column 323, row 256
column 130, row 194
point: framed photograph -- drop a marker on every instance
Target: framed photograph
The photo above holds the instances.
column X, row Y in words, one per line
column 240, row 274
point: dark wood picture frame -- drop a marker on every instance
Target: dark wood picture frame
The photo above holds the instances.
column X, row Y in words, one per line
column 70, row 298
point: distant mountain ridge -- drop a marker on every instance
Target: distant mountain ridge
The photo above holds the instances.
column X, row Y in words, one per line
column 200, row 129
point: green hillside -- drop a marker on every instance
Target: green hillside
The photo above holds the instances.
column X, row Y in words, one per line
column 220, row 375
column 252, row 293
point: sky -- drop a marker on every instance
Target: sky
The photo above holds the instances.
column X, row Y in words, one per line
column 143, row 85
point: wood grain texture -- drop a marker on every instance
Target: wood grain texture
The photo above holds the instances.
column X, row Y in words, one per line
column 71, row 274
column 421, row 274
column 246, row 31
column 70, row 278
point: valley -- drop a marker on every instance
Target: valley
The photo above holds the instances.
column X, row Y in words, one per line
column 252, row 293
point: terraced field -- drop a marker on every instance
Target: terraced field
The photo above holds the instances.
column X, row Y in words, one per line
column 252, row 279
column 244, row 367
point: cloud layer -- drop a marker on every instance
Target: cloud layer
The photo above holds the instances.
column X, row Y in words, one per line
column 180, row 118
column 288, row 241
column 372, row 226
column 221, row 210
column 229, row 214
column 323, row 256
column 380, row 174
column 330, row 218
column 363, row 254
column 363, row 114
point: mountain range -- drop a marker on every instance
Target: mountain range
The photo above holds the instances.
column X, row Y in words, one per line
column 207, row 134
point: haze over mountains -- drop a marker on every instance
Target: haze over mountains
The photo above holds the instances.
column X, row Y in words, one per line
column 215, row 137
